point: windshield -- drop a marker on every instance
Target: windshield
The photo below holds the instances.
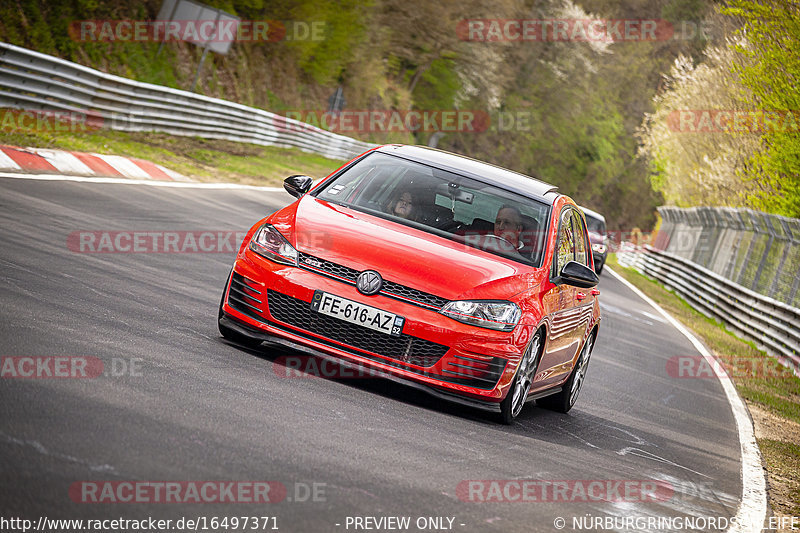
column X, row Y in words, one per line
column 443, row 203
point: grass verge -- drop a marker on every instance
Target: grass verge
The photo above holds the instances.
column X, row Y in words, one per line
column 771, row 392
column 204, row 160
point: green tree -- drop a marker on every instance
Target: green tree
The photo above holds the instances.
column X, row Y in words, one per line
column 771, row 46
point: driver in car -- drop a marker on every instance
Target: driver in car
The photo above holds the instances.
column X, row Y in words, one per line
column 508, row 225
column 505, row 237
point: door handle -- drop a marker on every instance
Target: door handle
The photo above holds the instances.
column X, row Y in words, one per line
column 580, row 296
column 595, row 292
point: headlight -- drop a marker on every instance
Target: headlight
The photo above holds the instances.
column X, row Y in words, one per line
column 503, row 316
column 599, row 248
column 269, row 243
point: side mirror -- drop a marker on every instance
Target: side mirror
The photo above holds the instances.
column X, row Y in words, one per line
column 297, row 185
column 579, row 275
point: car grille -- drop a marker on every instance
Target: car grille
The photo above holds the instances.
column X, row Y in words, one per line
column 340, row 271
column 390, row 288
column 405, row 348
column 475, row 368
column 244, row 297
column 480, row 372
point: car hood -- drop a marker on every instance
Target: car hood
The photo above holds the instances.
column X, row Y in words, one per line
column 400, row 253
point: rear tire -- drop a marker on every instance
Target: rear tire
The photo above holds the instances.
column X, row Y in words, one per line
column 564, row 400
column 228, row 333
column 514, row 401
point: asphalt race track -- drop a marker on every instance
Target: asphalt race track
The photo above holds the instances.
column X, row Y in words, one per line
column 178, row 403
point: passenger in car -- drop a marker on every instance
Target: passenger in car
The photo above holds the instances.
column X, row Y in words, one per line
column 403, row 205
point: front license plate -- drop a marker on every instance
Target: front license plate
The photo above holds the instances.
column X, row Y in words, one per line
column 356, row 313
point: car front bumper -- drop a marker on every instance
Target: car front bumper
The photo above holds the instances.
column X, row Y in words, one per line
column 471, row 363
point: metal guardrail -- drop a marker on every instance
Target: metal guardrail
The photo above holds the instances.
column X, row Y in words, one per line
column 773, row 325
column 35, row 81
column 759, row 251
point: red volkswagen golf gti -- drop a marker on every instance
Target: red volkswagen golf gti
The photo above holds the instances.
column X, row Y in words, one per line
column 469, row 280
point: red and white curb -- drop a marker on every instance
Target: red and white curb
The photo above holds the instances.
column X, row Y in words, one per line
column 47, row 161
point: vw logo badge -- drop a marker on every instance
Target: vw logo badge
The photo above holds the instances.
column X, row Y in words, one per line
column 369, row 282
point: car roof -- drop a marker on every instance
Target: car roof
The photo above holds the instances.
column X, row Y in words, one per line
column 593, row 214
column 478, row 170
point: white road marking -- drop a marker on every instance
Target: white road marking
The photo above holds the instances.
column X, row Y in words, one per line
column 586, row 442
column 653, row 457
column 614, row 310
column 654, row 317
column 36, row 445
column 752, row 511
column 636, row 439
column 151, row 183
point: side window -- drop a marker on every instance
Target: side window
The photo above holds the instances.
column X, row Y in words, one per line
column 565, row 247
column 581, row 254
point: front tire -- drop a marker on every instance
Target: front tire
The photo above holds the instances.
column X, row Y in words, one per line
column 514, row 401
column 564, row 400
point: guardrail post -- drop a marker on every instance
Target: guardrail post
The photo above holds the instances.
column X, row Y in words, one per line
column 787, row 246
column 737, row 226
column 725, row 243
column 747, row 220
column 674, row 220
column 761, row 224
column 722, row 230
column 764, row 223
column 701, row 246
column 717, row 222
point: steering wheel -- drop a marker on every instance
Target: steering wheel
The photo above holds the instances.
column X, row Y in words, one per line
column 498, row 237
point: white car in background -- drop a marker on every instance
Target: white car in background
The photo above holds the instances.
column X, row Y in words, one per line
column 596, row 223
